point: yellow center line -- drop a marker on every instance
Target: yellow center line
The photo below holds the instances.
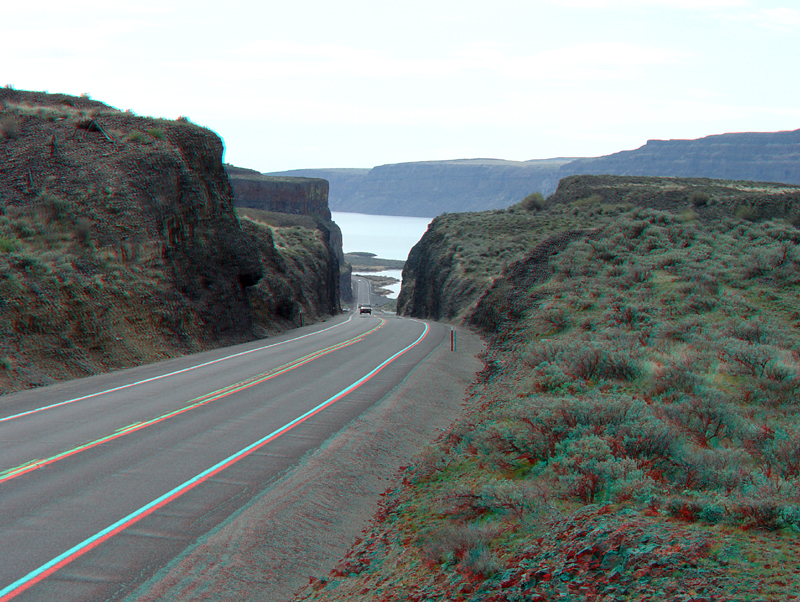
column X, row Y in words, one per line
column 12, row 473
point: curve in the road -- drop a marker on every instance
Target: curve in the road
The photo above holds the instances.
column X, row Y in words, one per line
column 14, row 589
column 17, row 471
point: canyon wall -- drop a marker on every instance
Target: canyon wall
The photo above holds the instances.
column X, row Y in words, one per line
column 120, row 244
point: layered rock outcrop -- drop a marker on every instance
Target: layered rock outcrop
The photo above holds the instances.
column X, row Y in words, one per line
column 297, row 195
column 429, row 188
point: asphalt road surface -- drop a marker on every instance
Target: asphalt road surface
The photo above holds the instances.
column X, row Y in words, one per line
column 104, row 480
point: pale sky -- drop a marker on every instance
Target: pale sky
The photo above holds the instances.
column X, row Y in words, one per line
column 346, row 83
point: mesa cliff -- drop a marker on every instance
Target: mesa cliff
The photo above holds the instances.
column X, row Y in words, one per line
column 295, row 196
column 299, row 196
column 754, row 156
column 429, row 188
column 120, row 245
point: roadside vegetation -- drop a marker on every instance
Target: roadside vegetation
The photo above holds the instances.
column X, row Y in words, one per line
column 635, row 434
column 56, row 276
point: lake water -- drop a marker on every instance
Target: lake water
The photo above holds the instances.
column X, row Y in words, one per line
column 388, row 236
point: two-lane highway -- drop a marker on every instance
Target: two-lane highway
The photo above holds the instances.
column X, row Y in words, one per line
column 104, row 480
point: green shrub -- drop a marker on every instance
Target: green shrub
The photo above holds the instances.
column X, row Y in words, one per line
column 83, row 230
column 589, row 201
column 556, row 320
column 594, row 361
column 10, row 127
column 137, row 136
column 698, row 198
column 7, row 245
column 156, row 133
column 747, row 213
column 533, row 202
column 464, row 547
column 54, row 207
column 750, row 359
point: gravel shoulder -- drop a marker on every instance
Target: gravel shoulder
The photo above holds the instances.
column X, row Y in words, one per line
column 304, row 524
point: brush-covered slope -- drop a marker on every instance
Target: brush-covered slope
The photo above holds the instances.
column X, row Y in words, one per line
column 461, row 254
column 636, row 432
column 119, row 244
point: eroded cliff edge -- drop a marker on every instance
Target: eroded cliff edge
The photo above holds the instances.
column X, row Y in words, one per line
column 120, row 244
column 293, row 196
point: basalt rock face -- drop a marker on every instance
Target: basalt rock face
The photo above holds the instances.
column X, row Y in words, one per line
column 345, row 184
column 755, row 156
column 425, row 276
column 428, row 188
column 119, row 243
column 299, row 196
column 295, row 196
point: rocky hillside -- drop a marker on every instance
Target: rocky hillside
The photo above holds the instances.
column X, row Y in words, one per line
column 429, row 188
column 461, row 255
column 119, row 244
column 635, row 433
column 295, row 196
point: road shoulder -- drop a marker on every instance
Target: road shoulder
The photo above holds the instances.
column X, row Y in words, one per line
column 304, row 524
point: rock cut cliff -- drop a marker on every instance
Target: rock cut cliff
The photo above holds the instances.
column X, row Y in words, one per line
column 296, row 196
column 119, row 244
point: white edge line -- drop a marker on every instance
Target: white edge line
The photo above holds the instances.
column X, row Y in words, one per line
column 147, row 380
column 235, row 457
